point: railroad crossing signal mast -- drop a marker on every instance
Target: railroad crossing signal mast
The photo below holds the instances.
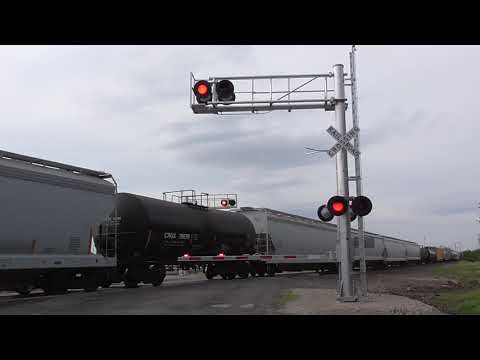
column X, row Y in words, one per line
column 358, row 172
column 256, row 94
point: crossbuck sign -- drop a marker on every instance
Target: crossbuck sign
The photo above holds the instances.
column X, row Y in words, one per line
column 343, row 141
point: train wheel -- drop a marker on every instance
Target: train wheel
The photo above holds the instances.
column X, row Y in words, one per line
column 91, row 284
column 129, row 279
column 24, row 289
column 243, row 275
column 161, row 273
column 271, row 270
column 131, row 284
column 209, row 274
column 224, row 276
column 106, row 284
column 91, row 287
column 231, row 276
column 253, row 273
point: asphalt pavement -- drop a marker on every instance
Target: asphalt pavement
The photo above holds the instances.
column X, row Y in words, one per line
column 189, row 295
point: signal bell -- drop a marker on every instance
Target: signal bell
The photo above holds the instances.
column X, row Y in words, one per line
column 203, row 91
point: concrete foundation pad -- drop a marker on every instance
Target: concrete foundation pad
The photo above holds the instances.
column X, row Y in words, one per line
column 324, row 302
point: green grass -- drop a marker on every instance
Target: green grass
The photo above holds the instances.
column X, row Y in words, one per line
column 464, row 301
column 467, row 273
column 289, row 296
column 460, row 303
column 470, row 255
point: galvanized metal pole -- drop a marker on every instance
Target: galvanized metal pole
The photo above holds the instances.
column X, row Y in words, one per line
column 358, row 175
column 346, row 284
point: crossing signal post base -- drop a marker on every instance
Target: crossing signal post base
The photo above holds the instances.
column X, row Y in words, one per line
column 347, row 299
column 343, row 298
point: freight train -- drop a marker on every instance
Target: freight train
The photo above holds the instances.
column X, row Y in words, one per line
column 153, row 233
column 66, row 227
column 282, row 236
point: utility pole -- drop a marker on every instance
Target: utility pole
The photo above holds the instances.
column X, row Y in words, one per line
column 343, row 222
column 358, row 173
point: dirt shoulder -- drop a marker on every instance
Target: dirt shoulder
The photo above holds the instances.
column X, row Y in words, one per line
column 301, row 301
column 450, row 287
column 432, row 289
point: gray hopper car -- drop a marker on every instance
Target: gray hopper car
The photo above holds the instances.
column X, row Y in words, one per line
column 48, row 213
column 280, row 233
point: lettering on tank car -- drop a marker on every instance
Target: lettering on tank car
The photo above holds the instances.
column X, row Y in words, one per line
column 174, row 242
column 176, row 236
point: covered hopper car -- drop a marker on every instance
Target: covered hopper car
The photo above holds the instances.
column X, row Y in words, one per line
column 46, row 219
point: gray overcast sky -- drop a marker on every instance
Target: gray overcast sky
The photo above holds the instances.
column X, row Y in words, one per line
column 125, row 109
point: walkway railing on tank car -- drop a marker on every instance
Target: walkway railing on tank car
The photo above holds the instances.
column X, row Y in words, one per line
column 186, row 196
column 203, row 199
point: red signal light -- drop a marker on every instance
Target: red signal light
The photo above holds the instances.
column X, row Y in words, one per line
column 203, row 91
column 337, row 205
column 224, row 202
